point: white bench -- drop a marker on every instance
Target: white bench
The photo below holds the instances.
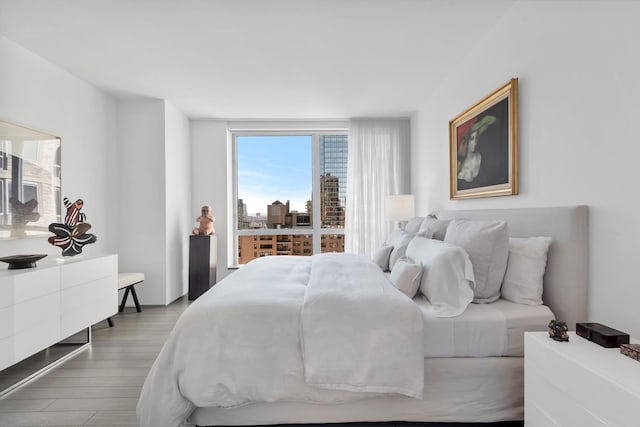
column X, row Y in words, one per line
column 127, row 281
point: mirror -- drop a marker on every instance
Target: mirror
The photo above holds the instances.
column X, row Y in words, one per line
column 30, row 174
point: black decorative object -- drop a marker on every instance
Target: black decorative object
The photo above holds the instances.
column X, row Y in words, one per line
column 602, row 334
column 558, row 330
column 17, row 262
column 72, row 235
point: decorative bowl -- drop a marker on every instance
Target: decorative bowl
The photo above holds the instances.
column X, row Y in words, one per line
column 22, row 261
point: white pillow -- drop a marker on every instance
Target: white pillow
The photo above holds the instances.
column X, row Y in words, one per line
column 395, row 236
column 399, row 239
column 525, row 269
column 406, row 276
column 487, row 243
column 381, row 257
column 413, row 225
column 433, row 228
column 447, row 275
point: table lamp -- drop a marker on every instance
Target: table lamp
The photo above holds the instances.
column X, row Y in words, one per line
column 400, row 208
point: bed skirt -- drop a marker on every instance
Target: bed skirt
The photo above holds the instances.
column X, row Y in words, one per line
column 488, row 389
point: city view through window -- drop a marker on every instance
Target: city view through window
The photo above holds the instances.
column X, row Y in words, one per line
column 290, row 194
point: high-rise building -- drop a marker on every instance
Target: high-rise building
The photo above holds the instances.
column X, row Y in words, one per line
column 277, row 214
column 331, row 208
column 332, row 243
column 298, row 220
column 243, row 218
column 333, row 180
column 252, row 247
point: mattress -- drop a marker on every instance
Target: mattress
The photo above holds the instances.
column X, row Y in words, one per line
column 483, row 330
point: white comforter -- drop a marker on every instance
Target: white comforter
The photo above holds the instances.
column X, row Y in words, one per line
column 326, row 328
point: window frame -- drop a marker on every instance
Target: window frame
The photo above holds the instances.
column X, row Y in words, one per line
column 316, row 231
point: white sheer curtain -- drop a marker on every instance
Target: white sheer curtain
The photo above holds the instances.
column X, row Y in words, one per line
column 377, row 166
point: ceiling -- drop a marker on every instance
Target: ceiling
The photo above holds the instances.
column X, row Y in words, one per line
column 258, row 59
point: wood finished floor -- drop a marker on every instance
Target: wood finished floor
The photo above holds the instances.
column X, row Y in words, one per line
column 101, row 385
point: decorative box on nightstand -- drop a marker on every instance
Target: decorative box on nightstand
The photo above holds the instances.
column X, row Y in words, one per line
column 578, row 383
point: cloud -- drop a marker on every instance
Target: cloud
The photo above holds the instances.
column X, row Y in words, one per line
column 253, row 174
column 274, row 168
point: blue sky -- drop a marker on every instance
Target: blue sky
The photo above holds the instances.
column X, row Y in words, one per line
column 274, row 168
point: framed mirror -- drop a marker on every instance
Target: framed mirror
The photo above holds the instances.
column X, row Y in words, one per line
column 30, row 176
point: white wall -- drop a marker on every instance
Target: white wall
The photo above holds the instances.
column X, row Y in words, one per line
column 141, row 196
column 155, row 212
column 40, row 95
column 179, row 215
column 578, row 69
column 209, row 185
column 113, row 157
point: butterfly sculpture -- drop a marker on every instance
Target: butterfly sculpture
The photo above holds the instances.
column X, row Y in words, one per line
column 72, row 235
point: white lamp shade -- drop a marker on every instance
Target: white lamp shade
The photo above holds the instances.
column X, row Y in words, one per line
column 400, row 207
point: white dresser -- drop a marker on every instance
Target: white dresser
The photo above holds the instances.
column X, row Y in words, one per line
column 579, row 384
column 60, row 297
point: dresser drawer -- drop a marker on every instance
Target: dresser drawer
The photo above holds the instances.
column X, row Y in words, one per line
column 34, row 284
column 76, row 273
column 88, row 303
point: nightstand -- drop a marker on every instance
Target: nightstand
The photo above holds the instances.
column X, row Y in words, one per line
column 578, row 384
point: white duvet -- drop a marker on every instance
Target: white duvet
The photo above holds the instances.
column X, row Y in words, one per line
column 327, row 328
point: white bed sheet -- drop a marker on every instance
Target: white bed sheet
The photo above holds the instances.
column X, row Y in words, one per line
column 483, row 330
column 314, row 329
column 456, row 390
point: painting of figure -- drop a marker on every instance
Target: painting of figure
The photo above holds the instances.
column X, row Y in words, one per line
column 484, row 147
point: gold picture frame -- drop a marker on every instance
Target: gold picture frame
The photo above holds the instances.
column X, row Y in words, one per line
column 483, row 146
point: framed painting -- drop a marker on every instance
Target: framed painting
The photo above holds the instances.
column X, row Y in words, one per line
column 483, row 146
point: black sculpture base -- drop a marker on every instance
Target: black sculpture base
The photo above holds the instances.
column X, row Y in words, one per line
column 202, row 264
column 17, row 262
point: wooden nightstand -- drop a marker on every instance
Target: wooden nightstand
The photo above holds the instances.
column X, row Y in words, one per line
column 578, row 384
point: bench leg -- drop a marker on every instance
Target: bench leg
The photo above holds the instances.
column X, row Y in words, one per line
column 110, row 322
column 124, row 299
column 135, row 299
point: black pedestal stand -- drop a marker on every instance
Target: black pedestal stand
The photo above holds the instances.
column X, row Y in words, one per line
column 202, row 264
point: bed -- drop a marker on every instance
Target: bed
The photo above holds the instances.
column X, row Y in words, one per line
column 474, row 374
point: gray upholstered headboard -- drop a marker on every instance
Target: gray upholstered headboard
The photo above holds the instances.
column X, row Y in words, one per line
column 566, row 277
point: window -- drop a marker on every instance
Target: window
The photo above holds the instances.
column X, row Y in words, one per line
column 56, row 167
column 290, row 192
